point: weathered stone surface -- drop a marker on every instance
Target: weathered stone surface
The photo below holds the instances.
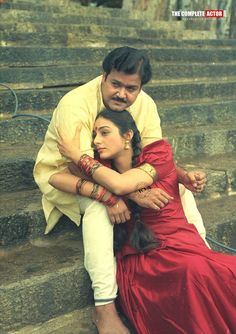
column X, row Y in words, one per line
column 21, row 217
column 40, row 17
column 46, row 99
column 199, row 89
column 210, row 140
column 39, row 77
column 42, row 280
column 76, row 322
column 219, row 219
column 16, row 133
column 57, row 56
column 197, row 113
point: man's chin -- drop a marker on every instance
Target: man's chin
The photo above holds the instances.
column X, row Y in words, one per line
column 116, row 107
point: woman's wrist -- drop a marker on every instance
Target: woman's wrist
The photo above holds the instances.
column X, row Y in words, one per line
column 88, row 164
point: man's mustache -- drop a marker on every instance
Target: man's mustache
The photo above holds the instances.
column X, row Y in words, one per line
column 118, row 99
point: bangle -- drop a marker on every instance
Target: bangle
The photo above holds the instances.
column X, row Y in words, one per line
column 88, row 164
column 98, row 192
column 79, row 185
column 111, row 201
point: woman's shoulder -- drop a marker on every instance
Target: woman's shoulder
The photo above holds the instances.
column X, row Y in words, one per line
column 158, row 151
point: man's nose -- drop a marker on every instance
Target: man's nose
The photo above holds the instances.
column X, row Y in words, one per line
column 122, row 92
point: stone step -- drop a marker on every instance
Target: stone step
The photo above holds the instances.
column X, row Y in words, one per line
column 188, row 89
column 21, row 217
column 70, row 7
column 85, row 30
column 42, row 279
column 197, row 112
column 75, row 322
column 9, row 16
column 49, row 76
column 101, row 36
column 105, row 38
column 209, row 139
column 41, row 56
column 16, row 166
column 46, row 99
column 219, row 219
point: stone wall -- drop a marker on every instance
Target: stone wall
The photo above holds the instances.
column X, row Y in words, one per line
column 157, row 10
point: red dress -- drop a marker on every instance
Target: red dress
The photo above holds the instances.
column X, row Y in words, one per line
column 181, row 287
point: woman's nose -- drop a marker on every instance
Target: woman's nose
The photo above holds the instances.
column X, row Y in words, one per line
column 96, row 140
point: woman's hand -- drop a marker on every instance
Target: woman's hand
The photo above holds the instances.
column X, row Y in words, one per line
column 69, row 147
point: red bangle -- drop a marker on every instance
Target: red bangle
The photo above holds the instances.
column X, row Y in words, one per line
column 111, row 201
column 88, row 164
column 79, row 185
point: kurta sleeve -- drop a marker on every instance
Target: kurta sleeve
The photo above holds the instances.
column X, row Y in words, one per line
column 159, row 156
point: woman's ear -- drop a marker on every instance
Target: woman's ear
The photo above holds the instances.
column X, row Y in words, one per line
column 129, row 135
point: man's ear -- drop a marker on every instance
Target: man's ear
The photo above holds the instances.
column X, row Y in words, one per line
column 104, row 76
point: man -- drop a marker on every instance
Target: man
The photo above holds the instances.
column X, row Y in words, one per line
column 125, row 71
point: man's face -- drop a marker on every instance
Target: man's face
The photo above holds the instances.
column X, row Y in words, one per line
column 120, row 90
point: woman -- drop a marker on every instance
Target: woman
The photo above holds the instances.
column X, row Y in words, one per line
column 169, row 280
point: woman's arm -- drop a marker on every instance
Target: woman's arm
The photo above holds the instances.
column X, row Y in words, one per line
column 117, row 210
column 67, row 182
column 119, row 184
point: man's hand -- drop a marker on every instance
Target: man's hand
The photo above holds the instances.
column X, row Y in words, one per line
column 119, row 213
column 154, row 198
column 195, row 181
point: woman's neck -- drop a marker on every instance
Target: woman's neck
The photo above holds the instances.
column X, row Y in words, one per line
column 123, row 162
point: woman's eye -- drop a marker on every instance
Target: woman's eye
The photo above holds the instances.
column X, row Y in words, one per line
column 104, row 133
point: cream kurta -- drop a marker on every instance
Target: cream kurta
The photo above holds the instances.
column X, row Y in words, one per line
column 82, row 105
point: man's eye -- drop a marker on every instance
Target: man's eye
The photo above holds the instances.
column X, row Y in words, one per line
column 115, row 84
column 131, row 89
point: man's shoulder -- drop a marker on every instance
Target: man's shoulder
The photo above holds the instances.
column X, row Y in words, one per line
column 143, row 100
column 82, row 92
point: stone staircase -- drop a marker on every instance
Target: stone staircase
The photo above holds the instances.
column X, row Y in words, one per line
column 47, row 49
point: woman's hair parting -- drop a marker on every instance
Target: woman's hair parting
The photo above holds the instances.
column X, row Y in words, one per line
column 130, row 61
column 141, row 237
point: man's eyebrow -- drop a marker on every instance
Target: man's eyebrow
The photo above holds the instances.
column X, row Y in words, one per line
column 126, row 86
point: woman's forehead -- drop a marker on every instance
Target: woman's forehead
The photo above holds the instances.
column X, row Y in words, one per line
column 103, row 122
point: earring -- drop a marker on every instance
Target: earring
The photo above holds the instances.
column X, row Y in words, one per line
column 127, row 146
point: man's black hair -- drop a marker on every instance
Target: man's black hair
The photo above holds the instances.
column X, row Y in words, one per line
column 130, row 61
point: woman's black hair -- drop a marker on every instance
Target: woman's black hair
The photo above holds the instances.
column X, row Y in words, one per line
column 130, row 61
column 141, row 237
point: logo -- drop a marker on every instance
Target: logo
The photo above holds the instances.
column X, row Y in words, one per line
column 208, row 13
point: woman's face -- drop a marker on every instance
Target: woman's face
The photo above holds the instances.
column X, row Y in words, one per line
column 107, row 139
